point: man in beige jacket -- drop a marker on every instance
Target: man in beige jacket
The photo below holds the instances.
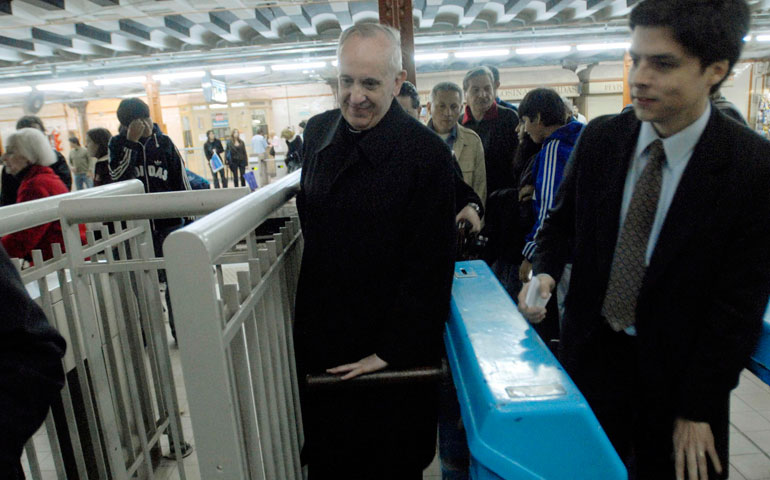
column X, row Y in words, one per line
column 444, row 109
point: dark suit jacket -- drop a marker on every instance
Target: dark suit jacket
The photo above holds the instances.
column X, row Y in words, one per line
column 700, row 309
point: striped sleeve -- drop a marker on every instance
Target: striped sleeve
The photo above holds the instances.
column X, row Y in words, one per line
column 121, row 166
column 123, row 156
column 549, row 178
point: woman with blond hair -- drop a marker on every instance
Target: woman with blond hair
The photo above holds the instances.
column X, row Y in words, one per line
column 294, row 155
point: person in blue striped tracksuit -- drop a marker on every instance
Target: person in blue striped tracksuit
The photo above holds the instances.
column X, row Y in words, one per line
column 549, row 123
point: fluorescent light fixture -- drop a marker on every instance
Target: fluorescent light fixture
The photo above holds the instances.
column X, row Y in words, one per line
column 422, row 57
column 335, row 63
column 747, row 38
column 763, row 38
column 13, row 90
column 297, row 66
column 238, row 104
column 167, row 77
column 238, row 71
column 536, row 50
column 200, row 107
column 119, row 80
column 603, row 46
column 482, row 53
column 63, row 87
column 215, row 106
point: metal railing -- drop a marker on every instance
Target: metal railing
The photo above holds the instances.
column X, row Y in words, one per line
column 104, row 296
column 232, row 277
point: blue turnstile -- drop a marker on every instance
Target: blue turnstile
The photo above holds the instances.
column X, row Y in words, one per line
column 760, row 359
column 523, row 416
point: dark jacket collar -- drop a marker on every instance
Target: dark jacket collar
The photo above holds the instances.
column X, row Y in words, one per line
column 377, row 143
column 490, row 114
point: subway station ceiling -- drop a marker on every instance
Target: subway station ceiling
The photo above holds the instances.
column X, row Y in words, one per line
column 70, row 40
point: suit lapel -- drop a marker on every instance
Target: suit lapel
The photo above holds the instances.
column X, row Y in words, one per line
column 693, row 199
column 619, row 151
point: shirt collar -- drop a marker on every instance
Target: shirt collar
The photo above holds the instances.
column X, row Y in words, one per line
column 490, row 114
column 452, row 133
column 678, row 147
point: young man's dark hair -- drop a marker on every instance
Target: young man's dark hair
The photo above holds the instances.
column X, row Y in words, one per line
column 30, row 121
column 708, row 29
column 409, row 90
column 546, row 103
column 74, row 141
column 131, row 109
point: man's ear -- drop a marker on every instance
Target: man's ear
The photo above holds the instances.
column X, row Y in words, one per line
column 400, row 77
column 717, row 71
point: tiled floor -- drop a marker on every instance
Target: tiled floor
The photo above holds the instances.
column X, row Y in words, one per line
column 749, row 435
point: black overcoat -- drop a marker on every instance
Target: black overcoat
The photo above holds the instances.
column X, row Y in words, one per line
column 377, row 213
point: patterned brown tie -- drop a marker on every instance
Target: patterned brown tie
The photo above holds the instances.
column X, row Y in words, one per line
column 628, row 263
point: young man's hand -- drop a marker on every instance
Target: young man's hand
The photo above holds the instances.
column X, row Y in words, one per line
column 536, row 314
column 693, row 448
column 139, row 128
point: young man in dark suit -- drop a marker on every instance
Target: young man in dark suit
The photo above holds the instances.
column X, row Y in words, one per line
column 665, row 211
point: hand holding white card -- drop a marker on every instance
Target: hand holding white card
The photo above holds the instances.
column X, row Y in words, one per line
column 533, row 294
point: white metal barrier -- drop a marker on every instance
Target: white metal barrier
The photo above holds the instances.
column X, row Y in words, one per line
column 104, row 298
column 235, row 337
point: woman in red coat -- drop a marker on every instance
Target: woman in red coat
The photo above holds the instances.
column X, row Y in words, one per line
column 28, row 157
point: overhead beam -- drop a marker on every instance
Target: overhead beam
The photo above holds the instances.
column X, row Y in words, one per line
column 92, row 34
column 514, row 7
column 49, row 38
column 49, row 5
column 555, row 6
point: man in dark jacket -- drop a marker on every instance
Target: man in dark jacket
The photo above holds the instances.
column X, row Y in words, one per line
column 10, row 185
column 496, row 126
column 31, row 373
column 377, row 213
column 142, row 151
column 656, row 332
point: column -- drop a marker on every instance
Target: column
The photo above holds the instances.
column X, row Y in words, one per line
column 398, row 14
column 153, row 99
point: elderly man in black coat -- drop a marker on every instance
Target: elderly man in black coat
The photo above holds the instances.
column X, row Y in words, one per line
column 30, row 368
column 377, row 212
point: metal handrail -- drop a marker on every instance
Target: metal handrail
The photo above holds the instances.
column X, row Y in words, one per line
column 150, row 205
column 37, row 212
column 385, row 377
column 233, row 221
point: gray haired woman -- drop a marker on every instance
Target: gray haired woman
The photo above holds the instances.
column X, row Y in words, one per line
column 28, row 157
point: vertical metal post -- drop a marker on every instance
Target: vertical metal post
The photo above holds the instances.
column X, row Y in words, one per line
column 203, row 356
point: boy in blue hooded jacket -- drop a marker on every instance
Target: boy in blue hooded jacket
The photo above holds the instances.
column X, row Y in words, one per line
column 548, row 122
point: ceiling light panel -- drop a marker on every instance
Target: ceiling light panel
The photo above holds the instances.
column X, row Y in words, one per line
column 549, row 49
column 482, row 53
column 297, row 66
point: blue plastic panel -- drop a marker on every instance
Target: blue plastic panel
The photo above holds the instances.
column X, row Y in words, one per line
column 524, row 417
column 760, row 359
